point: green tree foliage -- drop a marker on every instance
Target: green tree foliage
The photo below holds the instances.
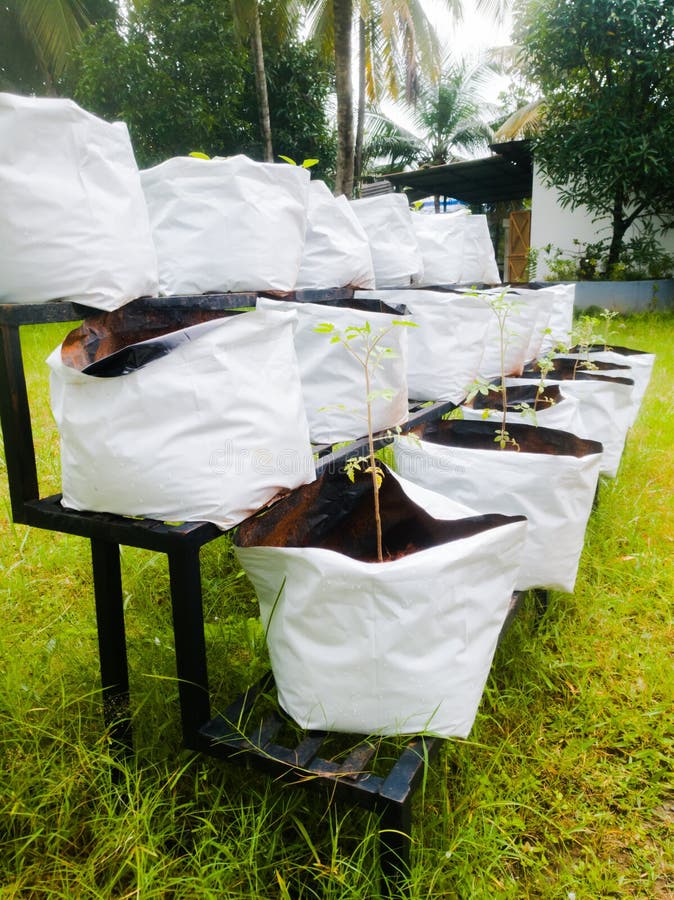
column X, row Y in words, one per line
column 606, row 70
column 177, row 75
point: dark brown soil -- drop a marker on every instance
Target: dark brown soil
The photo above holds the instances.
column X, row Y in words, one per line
column 530, row 438
column 335, row 514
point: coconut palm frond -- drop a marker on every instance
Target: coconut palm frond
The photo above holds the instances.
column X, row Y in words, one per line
column 321, row 24
column 526, row 120
column 53, row 27
column 495, row 9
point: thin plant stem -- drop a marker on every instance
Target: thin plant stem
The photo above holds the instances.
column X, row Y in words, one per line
column 373, row 462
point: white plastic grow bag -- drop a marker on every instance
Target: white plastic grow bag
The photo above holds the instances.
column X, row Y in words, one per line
column 561, row 298
column 227, row 224
column 336, row 249
column 445, row 351
column 399, row 647
column 555, row 493
column 542, row 301
column 641, row 368
column 73, row 221
column 479, row 260
column 605, row 413
column 387, row 222
column 564, row 415
column 333, row 382
column 210, row 430
column 441, row 240
column 517, row 332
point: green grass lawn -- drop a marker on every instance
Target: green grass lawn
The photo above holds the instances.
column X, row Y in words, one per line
column 564, row 789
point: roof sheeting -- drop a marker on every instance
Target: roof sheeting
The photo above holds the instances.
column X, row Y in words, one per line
column 506, row 176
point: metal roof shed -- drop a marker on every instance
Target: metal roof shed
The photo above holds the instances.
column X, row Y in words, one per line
column 508, row 175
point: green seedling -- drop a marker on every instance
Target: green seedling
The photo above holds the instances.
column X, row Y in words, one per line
column 366, row 346
column 584, row 335
column 607, row 316
column 305, row 164
column 502, row 306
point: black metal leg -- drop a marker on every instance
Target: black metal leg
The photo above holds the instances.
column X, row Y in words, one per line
column 112, row 642
column 188, row 628
column 395, row 844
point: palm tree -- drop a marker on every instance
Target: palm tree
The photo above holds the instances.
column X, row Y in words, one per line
column 396, row 43
column 447, row 120
column 36, row 37
column 247, row 21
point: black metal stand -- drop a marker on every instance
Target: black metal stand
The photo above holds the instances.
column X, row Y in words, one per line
column 223, row 736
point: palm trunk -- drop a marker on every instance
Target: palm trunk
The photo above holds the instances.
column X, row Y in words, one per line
column 261, row 87
column 360, row 127
column 343, row 15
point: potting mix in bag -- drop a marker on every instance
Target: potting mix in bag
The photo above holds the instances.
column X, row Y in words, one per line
column 336, row 249
column 387, row 222
column 332, row 380
column 203, row 424
column 640, row 369
column 227, row 224
column 550, row 477
column 397, row 647
column 73, row 221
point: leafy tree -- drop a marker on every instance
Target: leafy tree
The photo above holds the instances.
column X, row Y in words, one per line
column 36, row 37
column 606, row 71
column 180, row 79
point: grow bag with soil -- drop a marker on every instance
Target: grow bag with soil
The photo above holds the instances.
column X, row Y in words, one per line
column 605, row 411
column 203, row 424
column 640, row 368
column 550, row 476
column 398, row 647
column 553, row 409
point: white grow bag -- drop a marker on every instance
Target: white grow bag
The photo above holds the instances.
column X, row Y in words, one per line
column 563, row 415
column 336, row 249
column 333, row 383
column 227, row 224
column 543, row 305
column 605, row 414
column 387, row 222
column 518, row 329
column 641, row 368
column 441, row 241
column 445, row 351
column 554, row 492
column 73, row 221
column 210, row 429
column 561, row 298
column 479, row 260
column 398, row 647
